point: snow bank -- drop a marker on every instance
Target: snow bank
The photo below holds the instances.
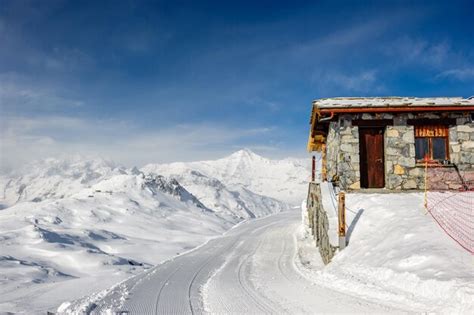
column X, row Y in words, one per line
column 396, row 254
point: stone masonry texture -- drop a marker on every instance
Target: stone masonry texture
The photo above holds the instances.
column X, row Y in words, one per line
column 401, row 169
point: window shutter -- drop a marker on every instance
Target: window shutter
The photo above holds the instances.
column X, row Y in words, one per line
column 431, row 131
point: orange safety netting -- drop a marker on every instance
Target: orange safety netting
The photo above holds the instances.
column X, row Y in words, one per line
column 454, row 212
column 450, row 201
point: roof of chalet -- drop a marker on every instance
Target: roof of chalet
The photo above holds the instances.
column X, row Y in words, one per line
column 326, row 108
column 392, row 101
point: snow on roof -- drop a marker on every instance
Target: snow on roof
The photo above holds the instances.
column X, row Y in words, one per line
column 392, row 101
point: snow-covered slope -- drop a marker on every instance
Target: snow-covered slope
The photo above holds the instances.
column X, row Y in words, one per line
column 54, row 178
column 234, row 205
column 284, row 180
column 69, row 227
column 96, row 237
column 397, row 254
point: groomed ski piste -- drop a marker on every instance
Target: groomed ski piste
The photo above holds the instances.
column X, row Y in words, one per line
column 397, row 261
column 216, row 240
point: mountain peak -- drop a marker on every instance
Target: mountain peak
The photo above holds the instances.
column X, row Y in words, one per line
column 245, row 154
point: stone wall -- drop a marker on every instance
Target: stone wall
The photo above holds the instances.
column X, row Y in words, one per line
column 349, row 158
column 401, row 170
column 461, row 146
column 343, row 161
column 400, row 163
column 332, row 150
column 319, row 222
column 447, row 178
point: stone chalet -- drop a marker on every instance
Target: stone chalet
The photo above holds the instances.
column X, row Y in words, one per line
column 389, row 142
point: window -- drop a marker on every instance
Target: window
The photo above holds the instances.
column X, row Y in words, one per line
column 431, row 142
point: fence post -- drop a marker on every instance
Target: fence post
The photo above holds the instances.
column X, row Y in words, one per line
column 425, row 197
column 342, row 220
column 313, row 169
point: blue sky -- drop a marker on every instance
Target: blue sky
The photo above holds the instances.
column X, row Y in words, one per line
column 157, row 81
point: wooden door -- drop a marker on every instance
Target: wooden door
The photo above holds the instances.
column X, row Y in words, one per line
column 372, row 169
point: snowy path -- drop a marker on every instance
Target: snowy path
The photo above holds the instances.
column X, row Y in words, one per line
column 249, row 270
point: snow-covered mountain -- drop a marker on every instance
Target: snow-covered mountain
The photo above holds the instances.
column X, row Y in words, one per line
column 54, row 178
column 96, row 237
column 234, row 203
column 284, row 180
column 72, row 226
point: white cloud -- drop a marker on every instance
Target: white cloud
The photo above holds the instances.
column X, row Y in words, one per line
column 408, row 50
column 24, row 139
column 362, row 82
column 18, row 93
column 440, row 57
column 352, row 36
column 461, row 74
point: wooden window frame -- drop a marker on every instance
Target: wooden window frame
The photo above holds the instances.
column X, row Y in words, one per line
column 431, row 132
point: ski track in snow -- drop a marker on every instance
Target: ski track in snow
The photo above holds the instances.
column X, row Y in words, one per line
column 251, row 269
column 70, row 227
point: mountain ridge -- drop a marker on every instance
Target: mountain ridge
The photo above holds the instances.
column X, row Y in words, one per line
column 284, row 180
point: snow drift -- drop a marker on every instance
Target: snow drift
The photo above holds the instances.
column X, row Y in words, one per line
column 396, row 254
